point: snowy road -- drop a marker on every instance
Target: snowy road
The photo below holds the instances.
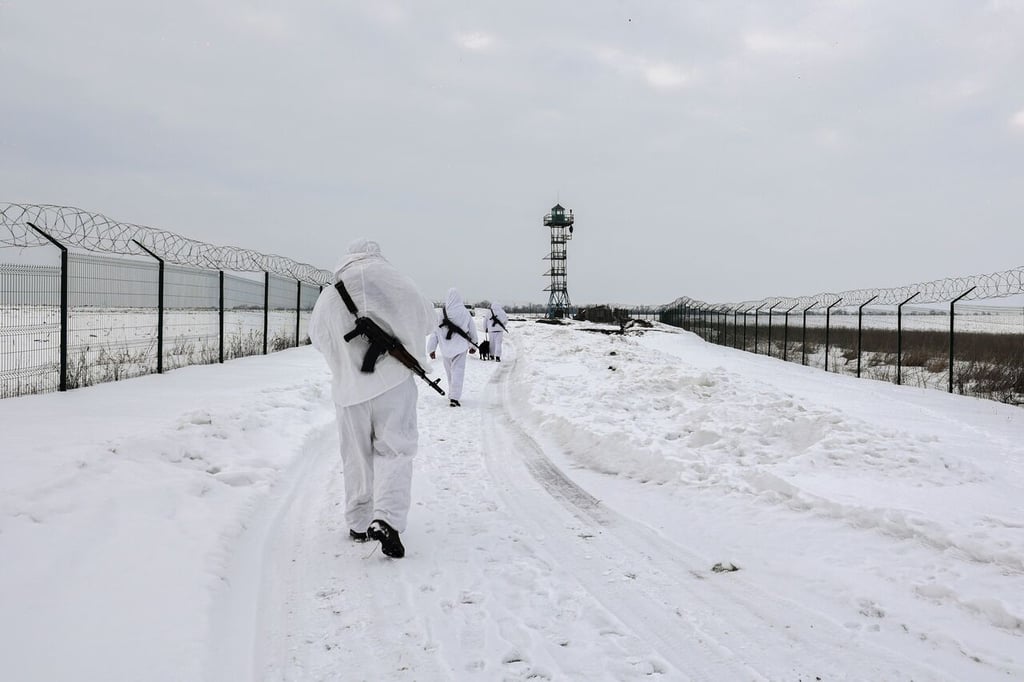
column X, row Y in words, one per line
column 515, row 571
column 479, row 595
column 564, row 526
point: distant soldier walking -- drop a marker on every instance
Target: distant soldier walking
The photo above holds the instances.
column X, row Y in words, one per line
column 496, row 326
column 455, row 335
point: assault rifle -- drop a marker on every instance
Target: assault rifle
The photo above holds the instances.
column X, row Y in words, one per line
column 381, row 342
column 452, row 327
column 495, row 320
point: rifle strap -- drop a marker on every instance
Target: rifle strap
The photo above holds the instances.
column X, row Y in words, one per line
column 349, row 303
column 448, row 323
column 374, row 352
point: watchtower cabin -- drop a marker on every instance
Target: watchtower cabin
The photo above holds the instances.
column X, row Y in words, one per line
column 561, row 224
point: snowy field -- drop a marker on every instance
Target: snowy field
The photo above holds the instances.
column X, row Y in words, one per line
column 107, row 344
column 996, row 320
column 565, row 525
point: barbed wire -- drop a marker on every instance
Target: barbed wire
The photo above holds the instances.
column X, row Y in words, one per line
column 971, row 288
column 74, row 227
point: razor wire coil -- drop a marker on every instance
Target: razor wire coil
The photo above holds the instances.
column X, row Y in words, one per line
column 970, row 288
column 98, row 233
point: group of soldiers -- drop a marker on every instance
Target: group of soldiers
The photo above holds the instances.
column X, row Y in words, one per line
column 456, row 338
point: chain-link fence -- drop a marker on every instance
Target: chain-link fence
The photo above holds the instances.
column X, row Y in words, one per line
column 918, row 335
column 105, row 301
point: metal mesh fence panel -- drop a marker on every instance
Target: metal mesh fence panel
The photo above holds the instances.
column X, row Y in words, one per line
column 112, row 319
column 283, row 304
column 878, row 344
column 988, row 353
column 307, row 300
column 29, row 329
column 925, row 361
column 243, row 317
column 191, row 317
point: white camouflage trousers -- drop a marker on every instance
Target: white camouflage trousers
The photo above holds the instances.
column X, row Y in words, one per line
column 455, row 368
column 495, row 338
column 378, row 442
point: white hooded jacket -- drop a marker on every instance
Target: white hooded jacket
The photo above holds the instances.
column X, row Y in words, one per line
column 456, row 310
column 498, row 312
column 390, row 299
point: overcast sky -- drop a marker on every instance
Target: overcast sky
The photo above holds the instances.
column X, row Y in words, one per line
column 720, row 150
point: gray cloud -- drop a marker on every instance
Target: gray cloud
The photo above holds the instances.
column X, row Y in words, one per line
column 725, row 152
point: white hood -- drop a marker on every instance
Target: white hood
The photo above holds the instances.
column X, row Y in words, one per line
column 455, row 309
column 390, row 299
column 497, row 311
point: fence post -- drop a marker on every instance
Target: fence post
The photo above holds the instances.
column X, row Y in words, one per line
column 803, row 339
column 951, row 304
column 770, row 328
column 298, row 308
column 220, row 317
column 62, row 380
column 757, row 313
column 159, row 309
column 785, row 334
column 860, row 325
column 828, row 319
column 266, row 309
column 899, row 338
column 735, row 327
column 745, row 329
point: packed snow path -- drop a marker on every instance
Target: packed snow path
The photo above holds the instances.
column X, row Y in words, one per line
column 565, row 524
column 515, row 571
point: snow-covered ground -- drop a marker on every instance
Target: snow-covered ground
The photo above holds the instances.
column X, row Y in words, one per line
column 565, row 525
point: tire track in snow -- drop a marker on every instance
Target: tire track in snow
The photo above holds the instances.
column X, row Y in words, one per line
column 306, row 603
column 237, row 616
column 498, row 606
column 709, row 626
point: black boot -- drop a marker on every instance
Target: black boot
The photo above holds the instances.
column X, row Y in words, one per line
column 387, row 536
column 357, row 536
column 454, row 403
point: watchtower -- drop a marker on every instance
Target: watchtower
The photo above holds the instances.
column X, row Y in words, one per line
column 561, row 232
